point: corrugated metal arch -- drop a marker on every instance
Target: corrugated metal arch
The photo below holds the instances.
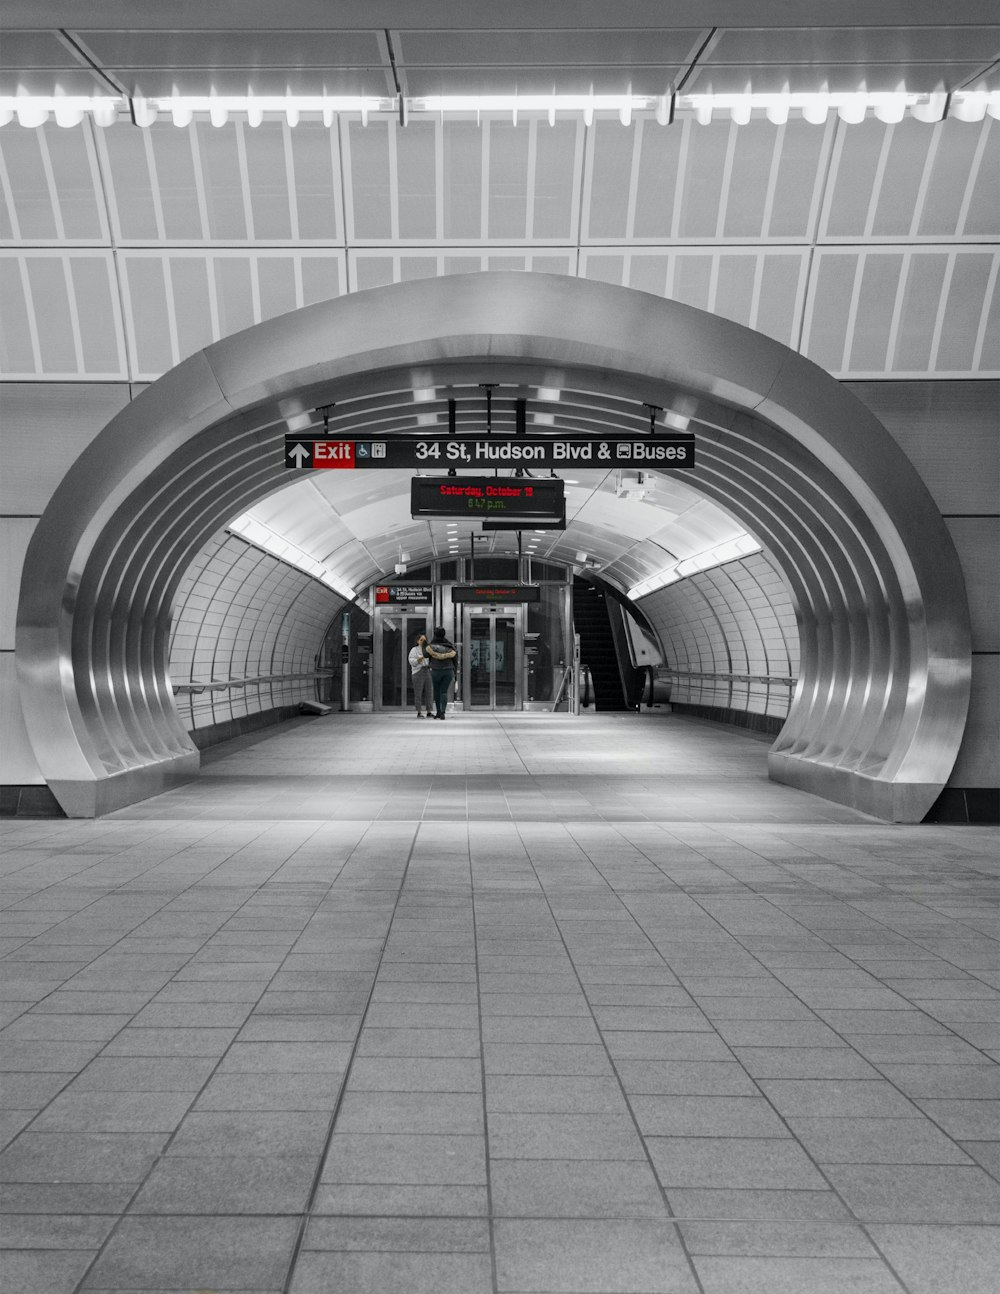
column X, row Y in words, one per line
column 881, row 706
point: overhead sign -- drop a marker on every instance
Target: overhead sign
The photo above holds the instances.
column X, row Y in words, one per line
column 476, row 497
column 674, row 450
column 496, row 593
column 400, row 593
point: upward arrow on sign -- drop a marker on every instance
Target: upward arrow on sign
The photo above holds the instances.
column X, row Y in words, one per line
column 299, row 455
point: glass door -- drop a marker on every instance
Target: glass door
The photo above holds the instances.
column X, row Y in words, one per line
column 492, row 664
column 398, row 632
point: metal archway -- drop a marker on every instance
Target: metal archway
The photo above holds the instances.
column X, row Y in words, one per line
column 881, row 702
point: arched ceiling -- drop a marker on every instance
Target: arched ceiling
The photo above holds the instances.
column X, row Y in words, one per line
column 628, row 525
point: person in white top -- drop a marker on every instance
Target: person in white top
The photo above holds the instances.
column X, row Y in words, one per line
column 420, row 670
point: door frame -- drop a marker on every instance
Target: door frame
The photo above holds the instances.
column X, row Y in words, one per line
column 402, row 612
column 492, row 614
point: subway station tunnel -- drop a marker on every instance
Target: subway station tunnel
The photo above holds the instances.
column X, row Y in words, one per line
column 668, row 964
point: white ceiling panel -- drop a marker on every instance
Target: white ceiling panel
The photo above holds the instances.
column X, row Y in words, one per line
column 119, row 50
column 850, row 44
column 34, row 49
column 547, row 48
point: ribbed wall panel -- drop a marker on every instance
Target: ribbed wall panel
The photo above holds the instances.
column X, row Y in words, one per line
column 730, row 636
column 870, row 248
column 242, row 614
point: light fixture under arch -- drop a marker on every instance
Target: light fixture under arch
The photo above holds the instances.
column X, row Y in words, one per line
column 881, row 702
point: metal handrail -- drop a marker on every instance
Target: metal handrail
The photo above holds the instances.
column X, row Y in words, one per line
column 788, row 680
column 223, row 685
column 566, row 676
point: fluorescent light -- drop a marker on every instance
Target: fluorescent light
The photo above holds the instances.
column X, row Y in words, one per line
column 852, row 107
column 423, row 394
column 550, row 393
column 544, row 419
column 255, row 532
column 728, row 551
column 427, row 419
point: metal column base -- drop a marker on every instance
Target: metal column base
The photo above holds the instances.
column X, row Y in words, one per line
column 890, row 801
column 91, row 799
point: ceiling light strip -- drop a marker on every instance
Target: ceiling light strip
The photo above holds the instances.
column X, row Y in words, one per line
column 851, row 106
column 728, row 551
column 255, row 532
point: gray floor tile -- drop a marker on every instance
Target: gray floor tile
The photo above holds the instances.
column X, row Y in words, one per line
column 575, row 1257
column 63, row 1198
column 542, row 1058
column 910, row 1193
column 435, row 1112
column 563, row 1136
column 778, row 1239
column 567, row 1188
column 207, row 1134
column 685, row 1078
column 56, row 1231
column 270, row 1092
column 876, row 1141
column 393, row 1273
column 399, row 1235
column 834, row 1098
column 986, row 1154
column 753, row 1163
column 80, row 1157
column 555, row 1094
column 795, row 1275
column 706, row 1116
column 35, row 1272
column 113, row 1112
column 972, row 1082
column 170, row 1042
column 932, row 1259
column 174, row 1253
column 407, row 1159
column 227, row 1184
column 405, row 1200
column 964, row 1120
column 804, row 1062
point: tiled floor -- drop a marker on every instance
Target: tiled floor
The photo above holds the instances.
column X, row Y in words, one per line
column 535, row 1004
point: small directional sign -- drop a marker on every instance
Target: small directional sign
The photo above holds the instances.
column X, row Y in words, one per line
column 663, row 452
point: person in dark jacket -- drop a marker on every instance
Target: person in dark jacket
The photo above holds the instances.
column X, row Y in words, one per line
column 443, row 660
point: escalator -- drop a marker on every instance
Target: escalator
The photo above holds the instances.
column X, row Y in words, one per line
column 591, row 620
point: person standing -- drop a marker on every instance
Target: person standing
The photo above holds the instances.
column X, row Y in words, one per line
column 443, row 661
column 420, row 671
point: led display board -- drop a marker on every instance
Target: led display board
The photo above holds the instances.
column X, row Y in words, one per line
column 475, row 498
column 495, row 593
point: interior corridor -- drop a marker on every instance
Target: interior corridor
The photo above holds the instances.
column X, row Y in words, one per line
column 516, row 1004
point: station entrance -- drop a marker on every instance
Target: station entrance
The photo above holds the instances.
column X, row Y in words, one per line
column 511, row 655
